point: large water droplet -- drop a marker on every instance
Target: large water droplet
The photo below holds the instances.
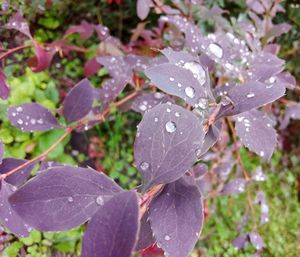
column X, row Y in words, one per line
column 170, row 127
column 144, row 165
column 216, row 50
column 100, row 200
column 190, row 92
column 197, row 70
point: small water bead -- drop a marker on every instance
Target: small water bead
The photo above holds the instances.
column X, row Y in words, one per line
column 144, row 165
column 272, row 79
column 70, row 199
column 197, row 70
column 6, row 219
column 158, row 95
column 19, row 109
column 168, row 110
column 177, row 114
column 167, row 238
column 240, row 119
column 40, row 121
column 14, row 114
column 33, row 121
column 190, row 92
column 143, row 107
column 155, row 119
column 19, row 121
column 202, row 103
column 170, row 127
column 172, row 79
column 216, row 50
column 100, row 200
column 250, row 95
column 179, row 84
column 262, row 153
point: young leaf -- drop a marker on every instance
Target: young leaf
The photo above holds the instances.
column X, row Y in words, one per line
column 256, row 132
column 165, row 156
column 180, row 81
column 256, row 240
column 85, row 30
column 176, row 216
column 234, row 187
column 20, row 176
column 8, row 217
column 292, row 112
column 251, row 95
column 143, row 8
column 79, row 101
column 62, row 198
column 32, row 117
column 113, row 229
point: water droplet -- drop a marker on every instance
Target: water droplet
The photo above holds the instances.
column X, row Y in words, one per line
column 190, row 92
column 155, row 119
column 19, row 121
column 170, row 126
column 143, row 107
column 262, row 153
column 40, row 121
column 168, row 110
column 240, row 119
column 70, row 199
column 6, row 219
column 158, row 95
column 33, row 121
column 202, row 103
column 216, row 50
column 197, row 70
column 167, row 238
column 100, row 200
column 144, row 165
column 14, row 114
column 172, row 79
column 19, row 109
column 272, row 79
column 250, row 95
column 177, row 114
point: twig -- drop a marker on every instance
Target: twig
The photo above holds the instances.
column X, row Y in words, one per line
column 12, row 50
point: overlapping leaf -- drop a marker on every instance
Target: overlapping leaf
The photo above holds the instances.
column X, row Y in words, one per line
column 145, row 238
column 4, row 88
column 112, row 231
column 234, row 187
column 20, row 176
column 8, row 217
column 256, row 132
column 79, row 101
column 32, row 117
column 62, row 198
column 176, row 217
column 167, row 140
column 143, row 8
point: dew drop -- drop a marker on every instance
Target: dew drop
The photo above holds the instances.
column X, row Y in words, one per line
column 19, row 121
column 168, row 110
column 262, row 153
column 40, row 121
column 197, row 70
column 202, row 103
column 167, row 238
column 155, row 119
column 172, row 79
column 33, row 121
column 143, row 107
column 216, row 50
column 70, row 199
column 14, row 114
column 250, row 95
column 190, row 92
column 158, row 95
column 177, row 114
column 144, row 166
column 100, row 200
column 19, row 109
column 6, row 219
column 170, row 127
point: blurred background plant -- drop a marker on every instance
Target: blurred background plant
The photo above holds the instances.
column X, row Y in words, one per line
column 114, row 139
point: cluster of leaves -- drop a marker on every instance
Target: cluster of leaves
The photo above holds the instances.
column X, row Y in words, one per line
column 189, row 96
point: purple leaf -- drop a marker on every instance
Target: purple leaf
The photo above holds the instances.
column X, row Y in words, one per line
column 17, row 22
column 164, row 157
column 91, row 67
column 62, row 198
column 256, row 240
column 264, row 208
column 288, row 79
column 145, row 238
column 176, row 216
column 258, row 175
column 78, row 103
column 143, row 8
column 234, row 187
column 255, row 131
column 250, row 95
column 8, row 217
column 277, row 30
column 42, row 59
column 241, row 241
column 20, row 176
column 110, row 90
column 292, row 112
column 146, row 101
column 113, row 229
column 4, row 88
column 178, row 57
column 186, row 83
column 32, row 117
column 85, row 30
